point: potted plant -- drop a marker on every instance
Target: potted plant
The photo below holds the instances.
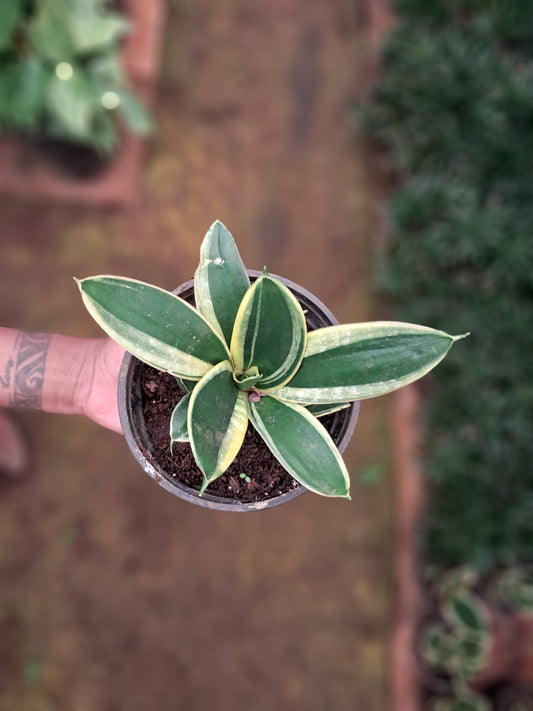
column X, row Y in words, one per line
column 61, row 81
column 475, row 637
column 244, row 354
column 146, row 404
column 455, row 643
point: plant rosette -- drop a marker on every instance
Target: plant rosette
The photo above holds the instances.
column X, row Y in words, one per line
column 150, row 456
column 244, row 354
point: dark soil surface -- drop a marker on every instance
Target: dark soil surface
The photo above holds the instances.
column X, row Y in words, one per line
column 267, row 478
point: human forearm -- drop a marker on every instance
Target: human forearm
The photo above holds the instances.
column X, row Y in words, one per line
column 22, row 367
column 60, row 374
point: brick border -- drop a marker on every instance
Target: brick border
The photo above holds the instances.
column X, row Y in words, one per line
column 409, row 503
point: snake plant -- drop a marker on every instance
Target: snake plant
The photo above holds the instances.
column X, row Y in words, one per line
column 244, row 354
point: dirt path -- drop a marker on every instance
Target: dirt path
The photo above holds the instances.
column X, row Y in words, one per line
column 115, row 595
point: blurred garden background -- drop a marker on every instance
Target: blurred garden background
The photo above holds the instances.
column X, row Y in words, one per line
column 453, row 111
column 114, row 594
column 379, row 155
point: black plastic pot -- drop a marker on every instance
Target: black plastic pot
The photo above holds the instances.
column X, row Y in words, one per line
column 132, row 419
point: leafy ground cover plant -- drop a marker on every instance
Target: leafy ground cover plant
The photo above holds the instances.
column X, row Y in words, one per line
column 60, row 73
column 453, row 107
column 244, row 354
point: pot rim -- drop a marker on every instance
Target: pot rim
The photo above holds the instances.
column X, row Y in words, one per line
column 170, row 484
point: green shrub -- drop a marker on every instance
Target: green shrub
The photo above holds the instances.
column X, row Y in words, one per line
column 511, row 21
column 455, row 109
column 452, row 101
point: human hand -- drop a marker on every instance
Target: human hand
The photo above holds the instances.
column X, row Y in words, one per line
column 62, row 374
column 98, row 394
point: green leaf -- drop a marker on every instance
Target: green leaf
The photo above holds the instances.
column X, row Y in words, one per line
column 49, row 30
column 178, row 421
column 220, row 281
column 247, row 380
column 71, row 103
column 27, row 97
column 269, row 333
column 436, row 645
column 358, row 361
column 106, row 70
column 186, row 385
column 465, row 611
column 217, row 421
column 514, row 587
column 103, row 136
column 22, row 88
column 134, row 112
column 64, row 29
column 154, row 325
column 327, row 409
column 302, row 445
column 10, row 16
column 92, row 28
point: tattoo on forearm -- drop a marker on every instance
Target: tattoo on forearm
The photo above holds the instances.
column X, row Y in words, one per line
column 5, row 380
column 30, row 353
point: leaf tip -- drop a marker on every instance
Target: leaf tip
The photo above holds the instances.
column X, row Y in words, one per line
column 218, row 225
column 460, row 336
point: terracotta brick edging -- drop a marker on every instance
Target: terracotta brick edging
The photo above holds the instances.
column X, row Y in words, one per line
column 23, row 173
column 409, row 501
column 142, row 50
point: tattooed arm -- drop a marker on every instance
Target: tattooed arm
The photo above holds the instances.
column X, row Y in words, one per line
column 60, row 374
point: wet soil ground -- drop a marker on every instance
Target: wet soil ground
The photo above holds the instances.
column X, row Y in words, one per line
column 114, row 594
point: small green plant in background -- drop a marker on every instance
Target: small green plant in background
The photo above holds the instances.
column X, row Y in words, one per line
column 458, row 643
column 60, row 73
column 467, row 701
column 244, row 354
column 514, row 588
column 32, row 672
